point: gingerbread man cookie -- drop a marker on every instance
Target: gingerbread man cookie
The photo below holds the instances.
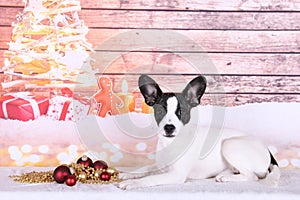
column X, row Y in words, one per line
column 107, row 102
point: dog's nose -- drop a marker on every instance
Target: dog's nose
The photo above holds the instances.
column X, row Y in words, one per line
column 169, row 129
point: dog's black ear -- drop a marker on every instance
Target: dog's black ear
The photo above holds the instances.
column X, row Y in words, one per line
column 149, row 89
column 194, row 90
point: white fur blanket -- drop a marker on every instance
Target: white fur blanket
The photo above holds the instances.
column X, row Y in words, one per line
column 197, row 189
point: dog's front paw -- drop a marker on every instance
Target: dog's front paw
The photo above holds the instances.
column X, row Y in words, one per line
column 223, row 178
column 126, row 176
column 130, row 184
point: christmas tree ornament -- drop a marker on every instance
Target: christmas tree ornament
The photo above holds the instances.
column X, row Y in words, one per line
column 82, row 176
column 71, row 180
column 71, row 174
column 60, row 173
column 85, row 161
column 112, row 171
column 98, row 173
column 105, row 176
column 100, row 164
column 72, row 170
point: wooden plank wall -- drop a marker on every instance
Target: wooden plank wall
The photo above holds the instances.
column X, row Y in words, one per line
column 254, row 45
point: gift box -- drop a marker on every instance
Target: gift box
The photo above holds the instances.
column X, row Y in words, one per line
column 23, row 106
column 65, row 107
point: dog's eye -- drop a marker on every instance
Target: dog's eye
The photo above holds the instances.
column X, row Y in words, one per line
column 160, row 110
column 178, row 112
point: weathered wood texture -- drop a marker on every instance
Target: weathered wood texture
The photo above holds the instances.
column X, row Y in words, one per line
column 253, row 45
column 209, row 40
column 125, row 19
column 217, row 84
column 225, row 63
column 216, row 5
column 240, row 99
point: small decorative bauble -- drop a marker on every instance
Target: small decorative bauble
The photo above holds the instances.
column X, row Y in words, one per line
column 97, row 173
column 71, row 180
column 100, row 164
column 82, row 176
column 85, row 161
column 72, row 170
column 105, row 176
column 60, row 173
column 112, row 171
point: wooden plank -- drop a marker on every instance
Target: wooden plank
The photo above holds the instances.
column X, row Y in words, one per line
column 241, row 99
column 179, row 20
column 11, row 3
column 5, row 38
column 233, row 99
column 216, row 84
column 254, row 84
column 192, row 20
column 237, row 99
column 196, row 40
column 188, row 40
column 229, row 5
column 223, row 63
column 8, row 15
column 210, row 98
column 1, row 58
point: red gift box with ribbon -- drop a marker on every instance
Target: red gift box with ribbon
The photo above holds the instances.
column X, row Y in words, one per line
column 23, row 106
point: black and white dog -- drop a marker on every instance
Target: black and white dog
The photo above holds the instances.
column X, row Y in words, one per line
column 235, row 157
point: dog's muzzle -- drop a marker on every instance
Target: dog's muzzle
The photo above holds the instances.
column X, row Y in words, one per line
column 169, row 130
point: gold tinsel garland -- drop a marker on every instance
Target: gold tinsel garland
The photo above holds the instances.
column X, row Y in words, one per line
column 34, row 177
column 87, row 175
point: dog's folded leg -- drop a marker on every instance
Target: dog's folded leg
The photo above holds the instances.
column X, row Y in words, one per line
column 171, row 177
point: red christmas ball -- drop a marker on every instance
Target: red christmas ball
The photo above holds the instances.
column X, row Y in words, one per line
column 71, row 180
column 60, row 173
column 86, row 161
column 105, row 176
column 100, row 164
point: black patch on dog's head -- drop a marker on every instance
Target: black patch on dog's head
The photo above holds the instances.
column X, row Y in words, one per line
column 150, row 90
column 190, row 97
column 161, row 107
column 194, row 91
column 183, row 109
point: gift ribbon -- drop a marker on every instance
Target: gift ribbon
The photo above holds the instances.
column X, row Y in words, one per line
column 67, row 92
column 25, row 96
column 65, row 110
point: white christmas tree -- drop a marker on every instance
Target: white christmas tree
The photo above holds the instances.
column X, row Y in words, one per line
column 49, row 42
